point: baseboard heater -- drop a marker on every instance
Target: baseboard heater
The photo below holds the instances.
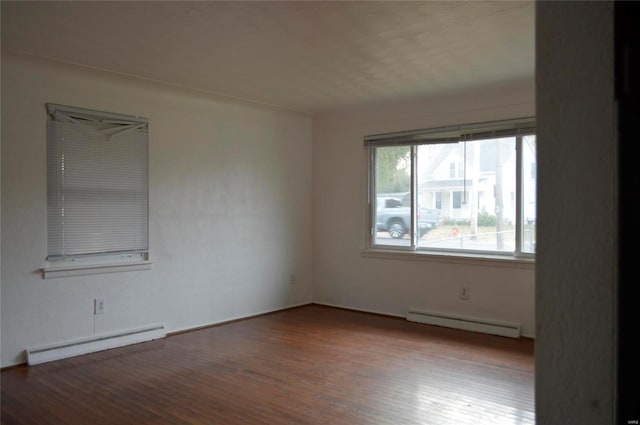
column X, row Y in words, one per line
column 493, row 327
column 90, row 345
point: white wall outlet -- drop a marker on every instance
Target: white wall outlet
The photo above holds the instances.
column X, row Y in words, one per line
column 292, row 279
column 98, row 306
column 465, row 293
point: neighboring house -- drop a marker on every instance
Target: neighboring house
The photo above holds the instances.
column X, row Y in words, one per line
column 449, row 183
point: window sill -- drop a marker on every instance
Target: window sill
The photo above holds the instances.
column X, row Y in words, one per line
column 454, row 258
column 89, row 269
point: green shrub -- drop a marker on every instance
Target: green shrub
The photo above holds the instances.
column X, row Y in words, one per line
column 486, row 219
column 458, row 222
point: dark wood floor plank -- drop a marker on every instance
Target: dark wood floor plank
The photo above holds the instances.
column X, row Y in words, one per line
column 307, row 365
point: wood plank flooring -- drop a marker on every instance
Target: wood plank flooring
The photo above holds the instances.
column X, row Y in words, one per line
column 307, row 365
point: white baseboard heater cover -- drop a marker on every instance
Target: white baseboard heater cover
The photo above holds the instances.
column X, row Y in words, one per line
column 493, row 327
column 90, row 345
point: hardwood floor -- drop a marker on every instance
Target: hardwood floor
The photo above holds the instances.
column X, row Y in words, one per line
column 307, row 365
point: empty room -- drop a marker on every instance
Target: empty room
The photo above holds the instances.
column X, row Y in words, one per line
column 307, row 212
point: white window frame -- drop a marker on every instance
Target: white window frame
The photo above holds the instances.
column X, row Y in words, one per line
column 129, row 152
column 518, row 128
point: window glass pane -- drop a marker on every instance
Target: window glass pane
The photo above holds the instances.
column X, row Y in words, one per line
column 472, row 209
column 529, row 194
column 393, row 196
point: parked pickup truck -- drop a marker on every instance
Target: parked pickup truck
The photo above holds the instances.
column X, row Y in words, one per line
column 393, row 215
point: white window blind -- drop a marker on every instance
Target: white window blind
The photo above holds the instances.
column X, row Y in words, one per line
column 97, row 182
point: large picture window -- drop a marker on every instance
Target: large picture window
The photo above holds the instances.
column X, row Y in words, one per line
column 462, row 189
column 97, row 184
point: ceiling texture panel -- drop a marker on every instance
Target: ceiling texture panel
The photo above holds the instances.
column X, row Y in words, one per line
column 307, row 56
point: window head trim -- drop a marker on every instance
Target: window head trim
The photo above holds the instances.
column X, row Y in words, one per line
column 70, row 113
column 454, row 134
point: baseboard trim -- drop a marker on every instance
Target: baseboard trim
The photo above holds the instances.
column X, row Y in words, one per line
column 67, row 349
column 195, row 328
column 293, row 306
column 467, row 323
column 390, row 315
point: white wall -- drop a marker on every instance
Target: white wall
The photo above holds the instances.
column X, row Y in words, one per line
column 577, row 217
column 343, row 277
column 229, row 202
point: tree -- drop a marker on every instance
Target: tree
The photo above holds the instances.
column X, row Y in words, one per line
column 393, row 169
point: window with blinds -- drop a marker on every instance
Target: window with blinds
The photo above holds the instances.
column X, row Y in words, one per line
column 97, row 183
column 466, row 189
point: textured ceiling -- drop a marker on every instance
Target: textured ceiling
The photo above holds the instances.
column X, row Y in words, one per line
column 307, row 56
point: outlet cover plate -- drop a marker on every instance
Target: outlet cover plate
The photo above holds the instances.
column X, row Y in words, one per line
column 98, row 306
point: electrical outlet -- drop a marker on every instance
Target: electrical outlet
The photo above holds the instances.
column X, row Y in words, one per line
column 292, row 279
column 98, row 306
column 465, row 293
